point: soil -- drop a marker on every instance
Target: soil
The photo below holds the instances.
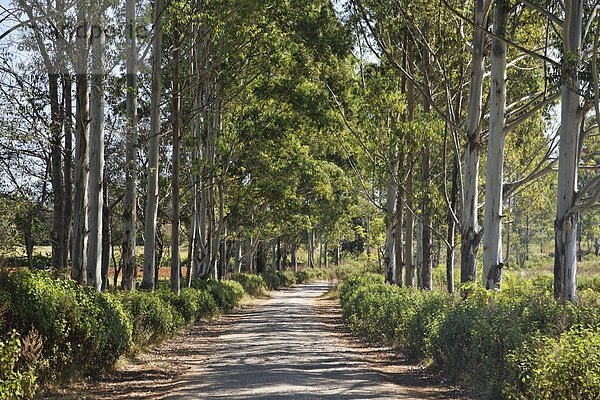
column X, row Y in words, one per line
column 290, row 346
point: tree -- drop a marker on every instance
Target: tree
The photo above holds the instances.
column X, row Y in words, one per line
column 151, row 209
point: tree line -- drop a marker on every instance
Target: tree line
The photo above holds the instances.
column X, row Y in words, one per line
column 254, row 128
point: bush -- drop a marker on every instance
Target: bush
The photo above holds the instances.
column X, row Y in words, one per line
column 279, row 279
column 17, row 377
column 563, row 368
column 152, row 315
column 481, row 340
column 227, row 294
column 254, row 285
column 314, row 274
column 84, row 332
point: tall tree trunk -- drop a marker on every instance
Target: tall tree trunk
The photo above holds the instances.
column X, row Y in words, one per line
column 389, row 255
column 325, row 255
column 81, row 170
column 153, row 152
column 68, row 165
column 398, row 277
column 175, row 216
column 294, row 258
column 58, row 220
column 470, row 230
column 106, row 237
column 278, row 253
column 311, row 248
column 96, row 176
column 419, row 266
column 565, row 226
column 450, row 251
column 492, row 227
column 238, row 256
column 130, row 200
column 426, row 241
column 409, row 230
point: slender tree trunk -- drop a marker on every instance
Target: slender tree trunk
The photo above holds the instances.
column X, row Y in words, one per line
column 106, row 237
column 238, row 255
column 325, row 255
column 58, row 220
column 130, row 199
column 294, row 259
column 311, row 248
column 419, row 269
column 409, row 230
column 470, row 232
column 426, row 241
column 398, row 277
column 492, row 228
column 81, row 170
column 68, row 165
column 175, row 216
column 450, row 252
column 278, row 253
column 153, row 152
column 96, row 175
column 389, row 256
column 565, row 226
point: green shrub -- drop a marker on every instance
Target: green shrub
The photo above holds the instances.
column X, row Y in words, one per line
column 279, row 279
column 550, row 368
column 17, row 376
column 227, row 294
column 152, row 315
column 253, row 284
column 472, row 339
column 84, row 332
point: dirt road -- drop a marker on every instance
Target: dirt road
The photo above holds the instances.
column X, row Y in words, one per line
column 291, row 346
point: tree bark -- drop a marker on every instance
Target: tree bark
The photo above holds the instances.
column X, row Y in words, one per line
column 96, row 175
column 130, row 200
column 175, row 216
column 470, row 230
column 153, row 152
column 450, row 251
column 492, row 228
column 81, row 170
column 389, row 255
column 565, row 225
column 68, row 165
column 58, row 220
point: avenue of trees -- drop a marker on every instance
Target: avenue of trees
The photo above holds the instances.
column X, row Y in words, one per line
column 241, row 131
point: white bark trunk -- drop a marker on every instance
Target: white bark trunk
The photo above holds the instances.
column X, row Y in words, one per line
column 129, row 202
column 492, row 228
column 96, row 176
column 175, row 220
column 565, row 226
column 153, row 150
column 81, row 193
column 470, row 232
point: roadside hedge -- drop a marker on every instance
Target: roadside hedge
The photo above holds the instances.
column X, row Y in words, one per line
column 519, row 343
column 54, row 330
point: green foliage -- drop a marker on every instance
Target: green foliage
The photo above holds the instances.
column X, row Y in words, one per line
column 17, row 375
column 227, row 294
column 548, row 368
column 84, row 332
column 484, row 339
column 279, row 279
column 153, row 315
column 313, row 274
column 253, row 284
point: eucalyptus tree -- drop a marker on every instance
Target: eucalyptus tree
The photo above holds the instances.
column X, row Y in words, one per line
column 154, row 137
column 131, row 168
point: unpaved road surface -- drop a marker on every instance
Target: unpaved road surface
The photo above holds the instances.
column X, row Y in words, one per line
column 291, row 346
